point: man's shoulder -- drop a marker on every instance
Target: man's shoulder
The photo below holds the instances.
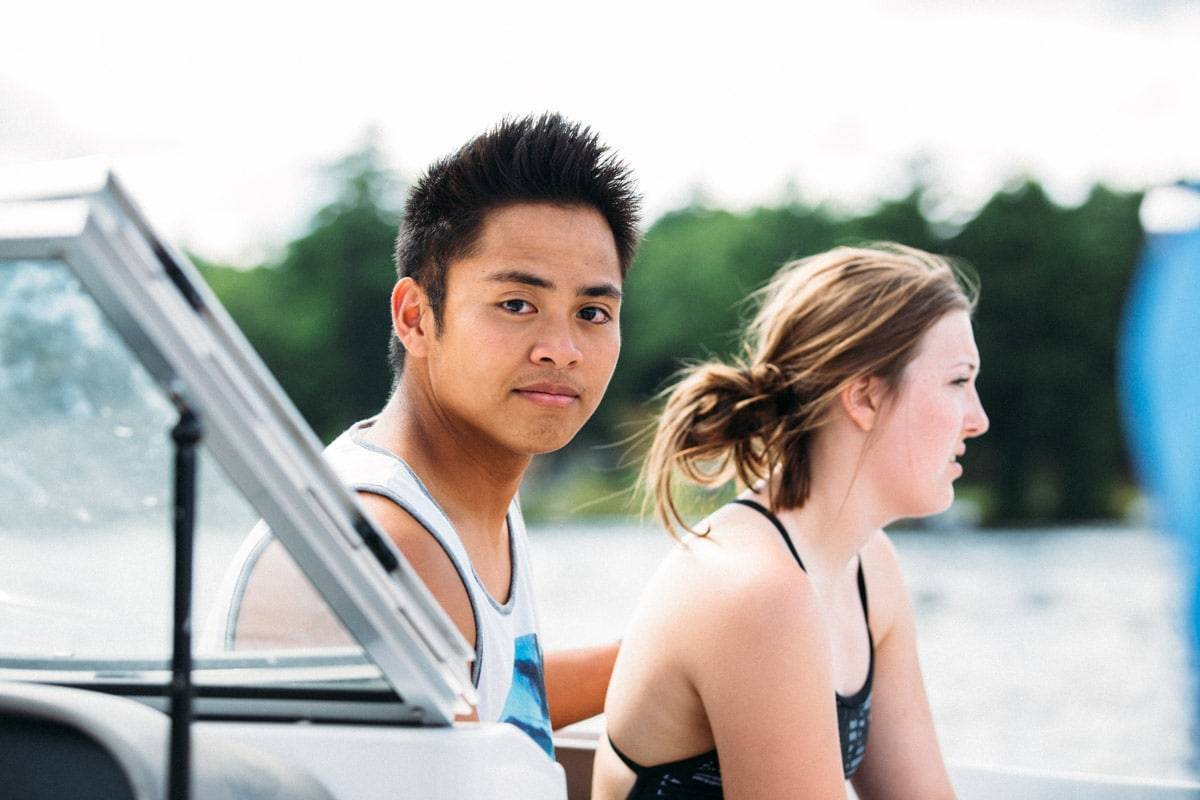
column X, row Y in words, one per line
column 374, row 471
column 358, row 461
column 407, row 531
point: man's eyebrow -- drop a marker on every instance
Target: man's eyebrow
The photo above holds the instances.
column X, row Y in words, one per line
column 601, row 290
column 605, row 289
column 517, row 276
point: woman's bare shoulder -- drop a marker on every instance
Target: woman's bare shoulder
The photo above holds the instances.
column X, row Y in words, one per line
column 714, row 596
column 742, row 584
column 738, row 555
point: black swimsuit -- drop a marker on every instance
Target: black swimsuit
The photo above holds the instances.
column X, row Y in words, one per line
column 700, row 776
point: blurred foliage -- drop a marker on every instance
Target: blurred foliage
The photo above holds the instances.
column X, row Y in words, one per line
column 1053, row 281
column 319, row 316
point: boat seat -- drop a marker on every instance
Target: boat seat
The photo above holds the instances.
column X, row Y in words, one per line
column 58, row 743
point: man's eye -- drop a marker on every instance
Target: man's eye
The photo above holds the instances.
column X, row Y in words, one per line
column 595, row 314
column 517, row 306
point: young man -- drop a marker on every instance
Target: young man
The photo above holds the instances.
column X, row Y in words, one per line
column 510, row 258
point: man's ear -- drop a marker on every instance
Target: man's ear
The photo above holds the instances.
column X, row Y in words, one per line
column 410, row 323
column 862, row 401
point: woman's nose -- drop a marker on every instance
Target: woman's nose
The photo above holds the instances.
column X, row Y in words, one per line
column 977, row 421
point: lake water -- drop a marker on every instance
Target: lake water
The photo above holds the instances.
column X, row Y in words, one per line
column 1050, row 649
column 1044, row 649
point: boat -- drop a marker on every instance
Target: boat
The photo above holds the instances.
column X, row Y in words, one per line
column 143, row 437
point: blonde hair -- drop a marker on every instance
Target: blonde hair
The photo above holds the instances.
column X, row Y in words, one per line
column 823, row 322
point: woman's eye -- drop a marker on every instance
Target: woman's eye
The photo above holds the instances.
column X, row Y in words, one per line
column 595, row 314
column 961, row 381
column 517, row 306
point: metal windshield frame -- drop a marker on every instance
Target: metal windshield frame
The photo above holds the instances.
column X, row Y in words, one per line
column 78, row 213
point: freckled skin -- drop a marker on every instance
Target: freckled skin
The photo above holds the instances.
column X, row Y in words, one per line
column 680, row 685
column 929, row 420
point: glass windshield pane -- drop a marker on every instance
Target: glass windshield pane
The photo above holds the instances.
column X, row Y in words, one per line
column 86, row 482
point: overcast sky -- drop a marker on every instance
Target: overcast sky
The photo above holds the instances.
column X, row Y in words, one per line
column 219, row 115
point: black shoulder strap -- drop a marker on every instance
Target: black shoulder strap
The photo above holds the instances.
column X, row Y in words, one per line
column 774, row 521
column 862, row 581
column 862, row 592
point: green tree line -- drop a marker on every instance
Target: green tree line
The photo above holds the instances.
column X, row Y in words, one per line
column 1053, row 280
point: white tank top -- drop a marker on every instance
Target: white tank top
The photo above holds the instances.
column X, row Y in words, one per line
column 507, row 671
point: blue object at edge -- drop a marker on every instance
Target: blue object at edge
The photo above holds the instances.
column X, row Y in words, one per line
column 1160, row 382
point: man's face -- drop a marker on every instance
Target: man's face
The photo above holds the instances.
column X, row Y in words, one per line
column 530, row 327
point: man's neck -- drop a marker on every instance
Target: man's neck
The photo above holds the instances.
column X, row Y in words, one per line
column 472, row 479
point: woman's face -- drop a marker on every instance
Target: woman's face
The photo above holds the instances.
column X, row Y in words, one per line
column 923, row 429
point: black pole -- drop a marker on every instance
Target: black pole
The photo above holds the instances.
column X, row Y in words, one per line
column 186, row 435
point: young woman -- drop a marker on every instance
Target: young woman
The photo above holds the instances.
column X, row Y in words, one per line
column 773, row 654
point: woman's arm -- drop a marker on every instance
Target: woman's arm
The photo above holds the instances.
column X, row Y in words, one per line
column 903, row 759
column 760, row 663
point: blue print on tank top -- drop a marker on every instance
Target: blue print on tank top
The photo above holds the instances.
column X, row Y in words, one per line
column 526, row 705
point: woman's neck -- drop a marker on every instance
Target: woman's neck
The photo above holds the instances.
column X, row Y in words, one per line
column 841, row 510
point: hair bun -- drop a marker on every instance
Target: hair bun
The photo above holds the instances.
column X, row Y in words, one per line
column 768, row 382
column 765, row 378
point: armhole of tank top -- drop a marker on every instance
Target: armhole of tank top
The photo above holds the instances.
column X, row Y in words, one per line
column 408, row 508
column 260, row 536
column 518, row 551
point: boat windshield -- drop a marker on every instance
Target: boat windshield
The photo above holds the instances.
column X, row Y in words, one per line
column 86, row 512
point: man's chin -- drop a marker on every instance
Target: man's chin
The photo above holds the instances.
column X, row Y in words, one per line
column 549, row 447
column 544, row 442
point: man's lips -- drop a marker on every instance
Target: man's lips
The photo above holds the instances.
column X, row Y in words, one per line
column 553, row 395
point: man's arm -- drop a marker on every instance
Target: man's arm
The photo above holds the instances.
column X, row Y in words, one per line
column 281, row 609
column 576, row 682
column 427, row 559
column 431, row 564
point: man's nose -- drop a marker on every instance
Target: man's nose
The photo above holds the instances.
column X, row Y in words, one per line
column 556, row 347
